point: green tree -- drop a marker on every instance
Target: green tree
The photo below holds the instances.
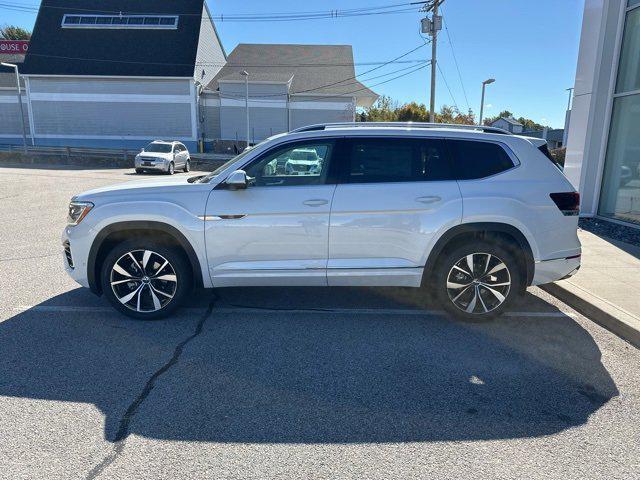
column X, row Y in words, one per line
column 383, row 110
column 12, row 32
column 386, row 109
column 412, row 112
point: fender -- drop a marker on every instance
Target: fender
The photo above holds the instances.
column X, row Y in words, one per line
column 471, row 228
column 94, row 284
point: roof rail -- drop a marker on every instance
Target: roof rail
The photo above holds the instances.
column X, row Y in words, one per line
column 325, row 126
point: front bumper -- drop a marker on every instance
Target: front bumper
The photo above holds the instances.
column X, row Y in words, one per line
column 548, row 271
column 159, row 164
column 74, row 258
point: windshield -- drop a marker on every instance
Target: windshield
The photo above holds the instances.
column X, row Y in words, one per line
column 209, row 176
column 158, row 147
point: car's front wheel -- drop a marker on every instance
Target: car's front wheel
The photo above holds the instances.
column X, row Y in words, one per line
column 139, row 171
column 171, row 168
column 145, row 280
column 478, row 280
column 187, row 165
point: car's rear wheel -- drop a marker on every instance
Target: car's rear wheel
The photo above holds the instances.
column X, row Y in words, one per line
column 478, row 280
column 145, row 280
column 187, row 165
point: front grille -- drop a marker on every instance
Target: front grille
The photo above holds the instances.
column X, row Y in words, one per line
column 67, row 253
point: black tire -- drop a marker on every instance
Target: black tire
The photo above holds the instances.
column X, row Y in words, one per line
column 139, row 170
column 171, row 169
column 481, row 295
column 158, row 284
column 187, row 165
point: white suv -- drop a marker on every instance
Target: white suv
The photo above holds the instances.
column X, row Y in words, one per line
column 473, row 214
column 163, row 156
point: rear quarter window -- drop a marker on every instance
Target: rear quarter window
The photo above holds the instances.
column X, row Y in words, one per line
column 473, row 159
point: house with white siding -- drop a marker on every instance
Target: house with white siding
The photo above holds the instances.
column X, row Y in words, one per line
column 289, row 86
column 115, row 73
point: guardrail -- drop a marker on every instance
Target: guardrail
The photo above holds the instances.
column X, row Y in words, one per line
column 72, row 151
column 104, row 157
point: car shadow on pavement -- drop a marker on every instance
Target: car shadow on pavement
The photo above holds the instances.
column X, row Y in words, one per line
column 264, row 367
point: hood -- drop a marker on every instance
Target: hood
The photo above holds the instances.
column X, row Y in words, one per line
column 138, row 186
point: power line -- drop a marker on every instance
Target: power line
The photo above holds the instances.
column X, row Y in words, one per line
column 447, row 85
column 455, row 60
column 398, row 58
column 256, row 17
column 319, row 98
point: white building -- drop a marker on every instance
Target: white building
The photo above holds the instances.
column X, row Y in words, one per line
column 603, row 143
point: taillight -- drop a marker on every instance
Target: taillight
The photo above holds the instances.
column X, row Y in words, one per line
column 567, row 202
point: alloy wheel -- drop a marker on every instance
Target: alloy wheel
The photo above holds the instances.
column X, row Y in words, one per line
column 143, row 281
column 187, row 166
column 478, row 283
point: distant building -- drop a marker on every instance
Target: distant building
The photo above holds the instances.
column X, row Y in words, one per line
column 553, row 136
column 289, row 86
column 508, row 123
column 98, row 78
column 603, row 143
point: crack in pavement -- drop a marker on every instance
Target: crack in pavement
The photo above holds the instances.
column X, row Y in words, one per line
column 123, row 429
column 15, row 259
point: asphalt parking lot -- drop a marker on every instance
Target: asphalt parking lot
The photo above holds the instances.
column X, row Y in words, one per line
column 291, row 382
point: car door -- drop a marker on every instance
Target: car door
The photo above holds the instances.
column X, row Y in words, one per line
column 276, row 231
column 394, row 196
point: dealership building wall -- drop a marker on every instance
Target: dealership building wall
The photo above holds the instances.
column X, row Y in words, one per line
column 603, row 143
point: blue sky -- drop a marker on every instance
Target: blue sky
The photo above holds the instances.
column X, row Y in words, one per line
column 529, row 47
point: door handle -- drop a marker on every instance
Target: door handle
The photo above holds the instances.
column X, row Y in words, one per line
column 316, row 202
column 429, row 199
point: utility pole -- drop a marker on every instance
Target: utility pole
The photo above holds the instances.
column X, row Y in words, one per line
column 434, row 47
column 431, row 27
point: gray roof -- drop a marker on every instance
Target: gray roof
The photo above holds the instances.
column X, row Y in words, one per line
column 259, row 76
column 510, row 120
column 316, row 69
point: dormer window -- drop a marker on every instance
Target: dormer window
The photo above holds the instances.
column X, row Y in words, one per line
column 165, row 22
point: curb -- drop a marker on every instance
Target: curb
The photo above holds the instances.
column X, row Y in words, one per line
column 617, row 321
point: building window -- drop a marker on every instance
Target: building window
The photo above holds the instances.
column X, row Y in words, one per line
column 169, row 22
column 620, row 193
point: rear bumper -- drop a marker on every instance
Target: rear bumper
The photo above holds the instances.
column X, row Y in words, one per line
column 548, row 271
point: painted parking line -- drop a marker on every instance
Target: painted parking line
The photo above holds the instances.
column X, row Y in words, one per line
column 272, row 311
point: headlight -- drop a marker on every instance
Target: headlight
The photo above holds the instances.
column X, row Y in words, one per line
column 77, row 211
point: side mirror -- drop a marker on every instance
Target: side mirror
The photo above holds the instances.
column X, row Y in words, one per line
column 141, row 150
column 238, row 180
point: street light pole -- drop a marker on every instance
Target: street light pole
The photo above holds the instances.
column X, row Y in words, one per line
column 24, row 128
column 245, row 74
column 484, row 84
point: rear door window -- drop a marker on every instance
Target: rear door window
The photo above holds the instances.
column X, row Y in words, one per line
column 379, row 160
column 473, row 159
